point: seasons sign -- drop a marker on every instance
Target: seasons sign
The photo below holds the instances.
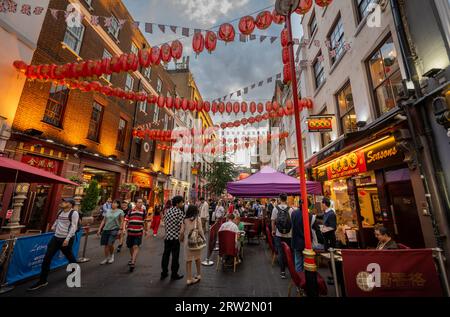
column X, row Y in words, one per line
column 379, row 155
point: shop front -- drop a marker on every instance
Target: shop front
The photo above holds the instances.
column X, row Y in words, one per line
column 371, row 185
column 144, row 182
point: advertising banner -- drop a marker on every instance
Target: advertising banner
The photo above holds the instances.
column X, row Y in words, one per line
column 390, row 273
column 320, row 123
column 29, row 254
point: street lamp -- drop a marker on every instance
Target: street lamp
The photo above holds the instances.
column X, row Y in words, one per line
column 286, row 8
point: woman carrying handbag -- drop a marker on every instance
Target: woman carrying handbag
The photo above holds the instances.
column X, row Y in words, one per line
column 194, row 242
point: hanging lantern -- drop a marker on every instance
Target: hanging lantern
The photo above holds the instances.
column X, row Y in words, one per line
column 244, row 121
column 144, row 58
column 284, row 37
column 285, row 55
column 176, row 49
column 273, row 114
column 268, row 106
column 287, row 74
column 199, row 106
column 58, row 73
column 177, row 103
column 98, row 68
column 236, row 107
column 289, row 104
column 132, row 63
column 258, row 118
column 247, row 25
column 210, row 41
column 166, row 53
column 236, row 124
column 253, row 107
column 106, row 66
column 323, row 3
column 169, row 102
column 275, row 106
column 230, row 124
column 151, row 99
column 226, row 32
column 221, row 107
column 251, row 120
column 223, row 125
column 304, row 6
column 280, row 112
column 277, row 18
column 206, row 106
column 198, row 43
column 229, row 107
column 185, row 104
column 308, row 103
column 155, row 56
column 31, row 72
column 263, row 20
column 192, row 105
column 266, row 116
column 286, row 111
column 260, row 107
column 244, row 107
column 214, row 107
column 21, row 66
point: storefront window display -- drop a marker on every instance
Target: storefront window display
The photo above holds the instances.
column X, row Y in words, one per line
column 338, row 192
column 106, row 180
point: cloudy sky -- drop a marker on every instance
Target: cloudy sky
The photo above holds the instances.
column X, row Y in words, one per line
column 232, row 66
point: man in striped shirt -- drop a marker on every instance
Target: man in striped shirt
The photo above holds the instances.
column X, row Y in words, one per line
column 136, row 225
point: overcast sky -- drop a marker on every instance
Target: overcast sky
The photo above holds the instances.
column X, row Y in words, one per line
column 232, row 66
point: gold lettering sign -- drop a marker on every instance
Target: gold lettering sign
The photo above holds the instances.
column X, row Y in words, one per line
column 373, row 156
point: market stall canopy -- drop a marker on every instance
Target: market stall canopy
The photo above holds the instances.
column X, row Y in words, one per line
column 270, row 183
column 12, row 171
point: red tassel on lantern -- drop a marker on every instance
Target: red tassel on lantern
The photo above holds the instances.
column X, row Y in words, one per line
column 226, row 32
column 176, row 49
column 277, row 18
column 304, row 6
column 198, row 43
column 210, row 41
column 263, row 20
column 247, row 25
column 155, row 56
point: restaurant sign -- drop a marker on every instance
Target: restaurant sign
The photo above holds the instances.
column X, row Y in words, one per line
column 379, row 155
column 291, row 163
column 320, row 123
column 43, row 163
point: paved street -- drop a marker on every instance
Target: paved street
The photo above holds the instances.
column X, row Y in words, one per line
column 254, row 277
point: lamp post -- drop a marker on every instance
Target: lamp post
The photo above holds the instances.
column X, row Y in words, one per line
column 286, row 8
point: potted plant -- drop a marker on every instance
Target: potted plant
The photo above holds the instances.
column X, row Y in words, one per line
column 89, row 203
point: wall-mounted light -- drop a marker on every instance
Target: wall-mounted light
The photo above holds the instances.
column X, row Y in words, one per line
column 96, row 155
column 79, row 147
column 361, row 124
column 50, row 141
column 112, row 157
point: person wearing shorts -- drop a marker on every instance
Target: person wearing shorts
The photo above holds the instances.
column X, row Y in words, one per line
column 136, row 224
column 110, row 230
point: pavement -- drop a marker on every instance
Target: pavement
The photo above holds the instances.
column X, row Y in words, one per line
column 254, row 277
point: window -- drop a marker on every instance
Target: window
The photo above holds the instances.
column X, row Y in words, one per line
column 129, row 84
column 152, row 152
column 363, row 8
column 147, row 72
column 137, row 148
column 56, row 103
column 95, row 122
column 346, row 110
column 114, row 29
column 121, row 134
column 88, row 2
column 319, row 72
column 143, row 106
column 159, row 86
column 156, row 113
column 74, row 37
column 325, row 137
column 336, row 39
column 312, row 25
column 107, row 54
column 385, row 76
column 134, row 48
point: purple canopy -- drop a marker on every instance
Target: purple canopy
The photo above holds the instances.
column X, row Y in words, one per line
column 270, row 183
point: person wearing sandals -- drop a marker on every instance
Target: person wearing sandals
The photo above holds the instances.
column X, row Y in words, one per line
column 192, row 225
column 110, row 230
column 136, row 225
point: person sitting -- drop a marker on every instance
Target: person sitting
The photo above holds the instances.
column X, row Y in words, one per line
column 384, row 236
column 230, row 225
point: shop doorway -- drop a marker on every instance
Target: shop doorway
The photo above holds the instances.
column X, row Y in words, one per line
column 37, row 207
column 106, row 180
column 405, row 218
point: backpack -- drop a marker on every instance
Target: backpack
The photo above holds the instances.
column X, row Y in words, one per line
column 195, row 239
column 284, row 222
column 79, row 226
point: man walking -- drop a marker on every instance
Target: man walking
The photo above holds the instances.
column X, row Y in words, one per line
column 204, row 213
column 329, row 225
column 282, row 230
column 135, row 223
column 298, row 238
column 173, row 219
column 65, row 227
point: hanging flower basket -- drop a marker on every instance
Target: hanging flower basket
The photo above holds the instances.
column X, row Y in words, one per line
column 128, row 187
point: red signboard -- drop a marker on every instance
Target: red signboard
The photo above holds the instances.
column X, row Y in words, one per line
column 44, row 163
column 390, row 273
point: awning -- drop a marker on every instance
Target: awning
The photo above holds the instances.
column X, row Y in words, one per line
column 12, row 171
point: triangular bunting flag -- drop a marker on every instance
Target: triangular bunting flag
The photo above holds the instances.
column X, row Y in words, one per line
column 262, row 38
column 162, row 27
column 252, row 37
column 239, row 93
column 273, row 39
column 260, row 83
column 149, row 28
column 269, row 80
column 173, row 28
column 279, row 76
column 253, row 86
column 185, row 32
column 108, row 22
column 242, row 38
column 296, row 41
column 245, row 90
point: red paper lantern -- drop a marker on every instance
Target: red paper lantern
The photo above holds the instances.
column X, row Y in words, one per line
column 304, row 6
column 214, row 107
column 275, row 106
column 244, row 107
column 31, row 72
column 268, row 106
column 169, row 102
column 177, row 103
column 226, row 32
column 58, row 73
column 280, row 112
column 151, row 99
column 207, row 106
column 155, row 56
column 286, row 111
column 229, row 107
column 221, row 107
column 21, row 66
column 198, row 43
column 285, row 55
column 210, row 41
column 251, row 120
column 284, row 37
column 236, row 107
column 260, row 107
column 247, row 25
column 192, row 105
column 144, row 58
column 244, row 121
column 106, row 66
column 323, row 3
column 266, row 116
column 273, row 114
column 176, row 49
column 132, row 63
column 185, row 104
column 277, row 18
column 263, row 20
column 289, row 104
column 223, row 125
column 199, row 106
column 166, row 53
column 230, row 124
column 309, row 104
column 253, row 107
column 287, row 74
column 258, row 118
column 236, row 124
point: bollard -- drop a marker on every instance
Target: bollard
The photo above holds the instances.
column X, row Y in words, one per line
column 333, row 269
column 207, row 261
column 5, row 258
column 443, row 274
column 84, row 259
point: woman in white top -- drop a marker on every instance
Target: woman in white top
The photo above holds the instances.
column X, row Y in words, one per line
column 220, row 211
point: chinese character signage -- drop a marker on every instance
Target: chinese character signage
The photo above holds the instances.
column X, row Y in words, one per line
column 320, row 124
column 43, row 163
column 291, row 163
column 390, row 273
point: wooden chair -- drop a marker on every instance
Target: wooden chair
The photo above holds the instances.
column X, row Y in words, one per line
column 271, row 245
column 227, row 247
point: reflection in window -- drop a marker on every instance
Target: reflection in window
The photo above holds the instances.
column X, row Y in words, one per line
column 95, row 122
column 56, row 104
column 346, row 109
column 337, row 40
column 319, row 72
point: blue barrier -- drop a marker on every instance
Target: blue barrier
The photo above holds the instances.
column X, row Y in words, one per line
column 2, row 242
column 28, row 255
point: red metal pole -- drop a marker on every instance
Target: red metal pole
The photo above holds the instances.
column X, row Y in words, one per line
column 309, row 254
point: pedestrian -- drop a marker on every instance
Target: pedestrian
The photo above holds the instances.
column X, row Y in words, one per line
column 65, row 227
column 125, row 207
column 329, row 225
column 191, row 233
column 219, row 213
column 106, row 206
column 384, row 236
column 298, row 238
column 212, row 208
column 156, row 219
column 204, row 213
column 110, row 230
column 136, row 226
column 282, row 230
column 230, row 225
column 173, row 220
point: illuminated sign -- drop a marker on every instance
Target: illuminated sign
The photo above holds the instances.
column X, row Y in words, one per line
column 320, row 124
column 291, row 163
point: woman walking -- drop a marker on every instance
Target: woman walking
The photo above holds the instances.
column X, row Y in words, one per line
column 110, row 229
column 156, row 220
column 194, row 241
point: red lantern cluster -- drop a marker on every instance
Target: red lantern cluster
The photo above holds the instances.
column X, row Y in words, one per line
column 247, row 25
column 210, row 41
column 227, row 32
column 306, row 103
column 198, row 43
column 323, row 3
column 157, row 135
column 304, row 6
column 264, row 20
column 277, row 18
